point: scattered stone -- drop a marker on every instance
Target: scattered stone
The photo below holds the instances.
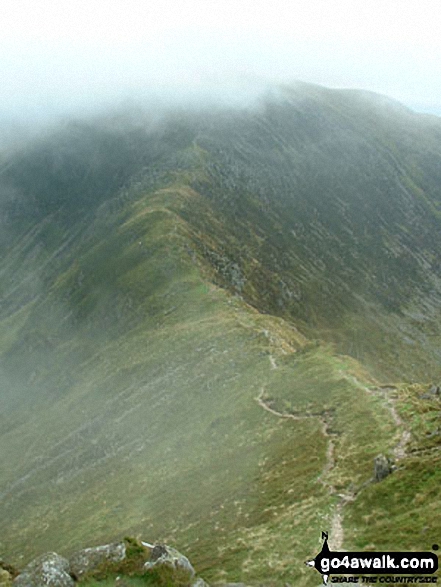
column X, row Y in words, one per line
column 89, row 559
column 48, row 570
column 171, row 564
column 382, row 467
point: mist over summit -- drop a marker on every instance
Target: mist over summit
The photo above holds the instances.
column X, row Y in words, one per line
column 213, row 320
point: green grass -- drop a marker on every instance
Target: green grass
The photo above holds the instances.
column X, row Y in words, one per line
column 402, row 512
column 138, row 334
column 156, row 431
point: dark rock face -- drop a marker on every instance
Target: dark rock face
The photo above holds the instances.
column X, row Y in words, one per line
column 48, row 570
column 89, row 559
column 158, row 552
column 171, row 563
column 382, row 467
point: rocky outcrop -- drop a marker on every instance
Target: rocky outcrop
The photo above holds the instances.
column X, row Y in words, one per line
column 89, row 559
column 48, row 570
column 171, row 565
column 382, row 467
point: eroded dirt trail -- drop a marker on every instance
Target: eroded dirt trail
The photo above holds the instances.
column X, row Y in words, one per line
column 399, row 451
column 336, row 530
column 262, row 403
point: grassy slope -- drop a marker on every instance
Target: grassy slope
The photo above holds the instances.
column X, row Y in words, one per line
column 141, row 381
column 158, row 432
column 409, row 497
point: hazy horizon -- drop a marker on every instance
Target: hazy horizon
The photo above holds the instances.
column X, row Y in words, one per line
column 58, row 58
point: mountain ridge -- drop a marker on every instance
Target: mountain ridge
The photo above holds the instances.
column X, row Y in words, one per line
column 150, row 312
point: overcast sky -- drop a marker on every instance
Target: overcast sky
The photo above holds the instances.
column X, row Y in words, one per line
column 58, row 55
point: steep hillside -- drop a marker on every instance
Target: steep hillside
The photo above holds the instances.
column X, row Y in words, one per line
column 197, row 315
column 333, row 207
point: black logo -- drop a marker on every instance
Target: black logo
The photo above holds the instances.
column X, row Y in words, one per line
column 377, row 563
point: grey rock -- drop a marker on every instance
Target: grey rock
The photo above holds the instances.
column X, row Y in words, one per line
column 174, row 564
column 199, row 582
column 89, row 559
column 48, row 570
column 382, row 467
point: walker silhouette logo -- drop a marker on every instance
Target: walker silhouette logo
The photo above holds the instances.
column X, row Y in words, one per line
column 375, row 563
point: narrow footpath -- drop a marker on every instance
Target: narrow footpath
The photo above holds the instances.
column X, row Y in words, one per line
column 399, row 451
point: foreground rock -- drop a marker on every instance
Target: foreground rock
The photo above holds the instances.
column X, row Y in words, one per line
column 90, row 559
column 171, row 565
column 51, row 570
column 127, row 558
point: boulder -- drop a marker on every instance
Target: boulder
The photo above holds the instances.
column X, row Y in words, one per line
column 89, row 559
column 48, row 570
column 170, row 565
column 382, row 467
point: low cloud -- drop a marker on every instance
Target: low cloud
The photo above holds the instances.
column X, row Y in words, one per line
column 59, row 59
